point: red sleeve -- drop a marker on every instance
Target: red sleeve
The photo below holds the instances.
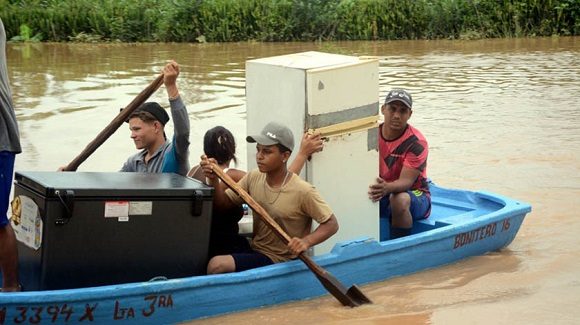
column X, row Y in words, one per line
column 416, row 156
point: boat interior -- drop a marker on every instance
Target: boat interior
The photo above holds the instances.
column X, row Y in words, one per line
column 450, row 207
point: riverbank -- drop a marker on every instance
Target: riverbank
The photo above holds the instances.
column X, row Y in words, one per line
column 284, row 20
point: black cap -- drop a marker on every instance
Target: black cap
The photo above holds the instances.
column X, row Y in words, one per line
column 400, row 95
column 154, row 109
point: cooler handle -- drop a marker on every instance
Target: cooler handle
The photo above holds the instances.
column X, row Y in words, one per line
column 67, row 199
column 197, row 204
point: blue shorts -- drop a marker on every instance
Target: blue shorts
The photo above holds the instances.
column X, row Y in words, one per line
column 420, row 205
column 6, row 171
column 250, row 260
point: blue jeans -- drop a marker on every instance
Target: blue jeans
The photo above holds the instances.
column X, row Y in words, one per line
column 6, row 171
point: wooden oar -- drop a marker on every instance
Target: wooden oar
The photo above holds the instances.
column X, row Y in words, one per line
column 352, row 297
column 115, row 124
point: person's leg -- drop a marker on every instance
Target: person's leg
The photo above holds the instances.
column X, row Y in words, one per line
column 8, row 250
column 402, row 221
column 385, row 218
column 250, row 260
column 420, row 205
column 9, row 259
column 221, row 264
column 407, row 207
column 237, row 262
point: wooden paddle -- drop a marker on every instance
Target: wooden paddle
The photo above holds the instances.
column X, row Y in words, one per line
column 352, row 297
column 115, row 124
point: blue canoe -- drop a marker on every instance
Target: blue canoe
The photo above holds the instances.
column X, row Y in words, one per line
column 462, row 224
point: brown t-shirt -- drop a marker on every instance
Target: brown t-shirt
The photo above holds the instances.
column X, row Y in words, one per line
column 293, row 206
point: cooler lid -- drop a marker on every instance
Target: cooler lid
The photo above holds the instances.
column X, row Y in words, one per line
column 117, row 184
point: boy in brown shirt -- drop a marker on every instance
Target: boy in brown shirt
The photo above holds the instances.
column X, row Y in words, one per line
column 290, row 201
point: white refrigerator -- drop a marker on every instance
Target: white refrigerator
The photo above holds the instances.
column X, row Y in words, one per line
column 337, row 95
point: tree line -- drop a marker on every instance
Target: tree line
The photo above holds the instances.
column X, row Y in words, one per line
column 284, row 20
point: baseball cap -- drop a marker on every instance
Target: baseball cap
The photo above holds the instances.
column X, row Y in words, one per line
column 399, row 95
column 154, row 109
column 274, row 133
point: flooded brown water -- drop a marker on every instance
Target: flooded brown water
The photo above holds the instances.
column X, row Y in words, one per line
column 500, row 115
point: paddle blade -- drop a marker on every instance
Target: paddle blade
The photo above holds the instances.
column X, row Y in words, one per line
column 357, row 295
column 353, row 297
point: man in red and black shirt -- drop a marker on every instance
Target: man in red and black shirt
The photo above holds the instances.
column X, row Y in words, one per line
column 402, row 188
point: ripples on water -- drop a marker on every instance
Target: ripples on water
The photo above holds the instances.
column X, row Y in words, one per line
column 473, row 89
column 501, row 115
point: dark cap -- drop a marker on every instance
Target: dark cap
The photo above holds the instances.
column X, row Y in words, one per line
column 399, row 95
column 154, row 109
column 274, row 133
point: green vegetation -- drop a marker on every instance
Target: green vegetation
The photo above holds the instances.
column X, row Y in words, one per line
column 286, row 20
column 26, row 35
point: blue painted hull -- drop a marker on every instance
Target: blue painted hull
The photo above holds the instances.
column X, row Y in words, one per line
column 462, row 224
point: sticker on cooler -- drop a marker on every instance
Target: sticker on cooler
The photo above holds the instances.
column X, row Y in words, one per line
column 140, row 208
column 117, row 209
column 26, row 221
column 123, row 209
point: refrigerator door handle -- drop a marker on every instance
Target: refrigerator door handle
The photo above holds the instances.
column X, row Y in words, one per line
column 337, row 129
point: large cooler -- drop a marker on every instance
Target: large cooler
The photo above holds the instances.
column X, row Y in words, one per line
column 87, row 229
